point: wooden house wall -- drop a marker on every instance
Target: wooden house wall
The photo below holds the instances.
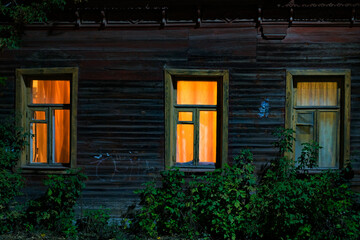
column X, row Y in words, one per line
column 121, row 91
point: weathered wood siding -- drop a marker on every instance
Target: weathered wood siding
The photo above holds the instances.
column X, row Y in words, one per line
column 121, row 90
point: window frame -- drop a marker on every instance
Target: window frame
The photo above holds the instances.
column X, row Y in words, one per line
column 24, row 107
column 345, row 107
column 222, row 79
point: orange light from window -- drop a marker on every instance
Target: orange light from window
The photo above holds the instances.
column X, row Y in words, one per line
column 185, row 143
column 39, row 115
column 62, row 136
column 50, row 91
column 207, row 138
column 197, row 92
column 38, row 142
column 53, row 92
column 185, row 116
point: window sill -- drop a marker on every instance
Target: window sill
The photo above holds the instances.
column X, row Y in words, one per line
column 44, row 169
column 195, row 169
column 317, row 170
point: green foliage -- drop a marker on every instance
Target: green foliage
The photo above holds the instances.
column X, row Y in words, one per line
column 19, row 13
column 54, row 210
column 221, row 199
column 10, row 187
column 211, row 204
column 2, row 81
column 95, row 225
column 11, row 143
column 309, row 156
column 284, row 140
column 164, row 207
column 289, row 202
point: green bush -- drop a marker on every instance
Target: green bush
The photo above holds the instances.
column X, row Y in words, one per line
column 12, row 141
column 291, row 203
column 221, row 198
column 287, row 202
column 95, row 224
column 211, row 204
column 165, row 207
column 54, row 210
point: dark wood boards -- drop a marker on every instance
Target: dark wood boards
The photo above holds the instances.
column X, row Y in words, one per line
column 121, row 91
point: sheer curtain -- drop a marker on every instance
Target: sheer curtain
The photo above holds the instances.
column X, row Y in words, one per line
column 197, row 93
column 54, row 92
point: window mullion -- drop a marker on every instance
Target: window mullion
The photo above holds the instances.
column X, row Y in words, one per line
column 316, row 130
column 50, row 133
column 29, row 153
column 196, row 137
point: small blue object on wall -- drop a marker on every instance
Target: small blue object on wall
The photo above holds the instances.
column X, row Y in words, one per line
column 264, row 108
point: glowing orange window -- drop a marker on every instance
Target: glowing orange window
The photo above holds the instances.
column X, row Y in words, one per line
column 196, row 103
column 50, row 121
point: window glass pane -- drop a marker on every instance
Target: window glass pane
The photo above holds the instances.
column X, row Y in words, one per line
column 304, row 134
column 197, row 92
column 207, row 137
column 328, row 129
column 305, row 118
column 39, row 115
column 316, row 94
column 304, row 131
column 50, row 91
column 185, row 143
column 38, row 142
column 185, row 116
column 61, row 134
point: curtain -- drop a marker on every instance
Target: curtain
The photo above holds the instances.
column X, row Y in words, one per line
column 316, row 94
column 197, row 93
column 54, row 92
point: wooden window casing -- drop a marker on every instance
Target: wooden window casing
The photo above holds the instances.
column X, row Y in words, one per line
column 333, row 112
column 25, row 108
column 173, row 119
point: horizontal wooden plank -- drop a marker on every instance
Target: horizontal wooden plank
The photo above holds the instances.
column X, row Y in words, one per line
column 121, row 91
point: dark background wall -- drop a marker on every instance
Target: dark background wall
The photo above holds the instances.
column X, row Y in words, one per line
column 121, row 91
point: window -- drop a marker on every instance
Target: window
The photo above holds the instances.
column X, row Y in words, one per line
column 318, row 109
column 196, row 118
column 46, row 100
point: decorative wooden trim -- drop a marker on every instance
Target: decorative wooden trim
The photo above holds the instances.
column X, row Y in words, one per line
column 22, row 101
column 292, row 4
column 73, row 122
column 169, row 124
column 347, row 116
column 170, row 116
column 346, row 98
column 102, row 17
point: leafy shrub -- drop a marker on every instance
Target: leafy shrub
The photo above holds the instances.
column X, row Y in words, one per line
column 221, row 198
column 165, row 207
column 211, row 204
column 12, row 141
column 288, row 202
column 54, row 210
column 291, row 203
column 95, row 224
